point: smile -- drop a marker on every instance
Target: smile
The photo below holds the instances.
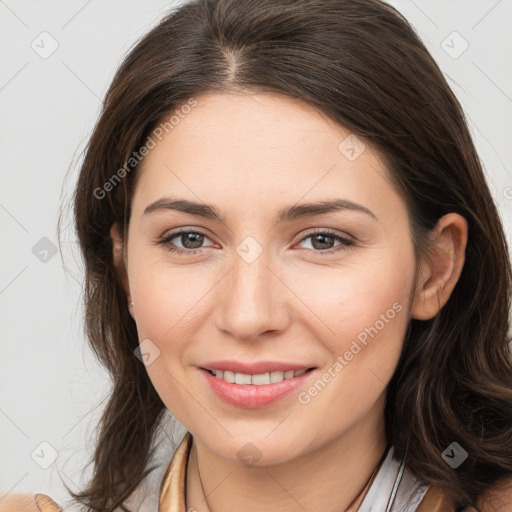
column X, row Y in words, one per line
column 254, row 390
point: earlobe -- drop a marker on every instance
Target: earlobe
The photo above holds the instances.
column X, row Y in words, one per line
column 441, row 271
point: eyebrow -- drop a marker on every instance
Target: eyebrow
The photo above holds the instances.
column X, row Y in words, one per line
column 287, row 214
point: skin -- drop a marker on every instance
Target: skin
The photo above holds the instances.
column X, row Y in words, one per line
column 250, row 154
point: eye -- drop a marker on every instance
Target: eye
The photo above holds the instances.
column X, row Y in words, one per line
column 321, row 241
column 190, row 239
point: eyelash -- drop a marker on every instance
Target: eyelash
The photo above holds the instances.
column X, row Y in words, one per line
column 165, row 242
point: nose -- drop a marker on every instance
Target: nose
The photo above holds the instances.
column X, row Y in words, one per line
column 252, row 299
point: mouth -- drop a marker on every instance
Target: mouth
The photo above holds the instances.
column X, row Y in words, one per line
column 255, row 390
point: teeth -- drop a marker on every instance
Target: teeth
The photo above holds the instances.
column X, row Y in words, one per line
column 257, row 380
column 228, row 376
column 241, row 378
column 262, row 378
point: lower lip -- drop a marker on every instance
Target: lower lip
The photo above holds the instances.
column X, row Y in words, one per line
column 250, row 396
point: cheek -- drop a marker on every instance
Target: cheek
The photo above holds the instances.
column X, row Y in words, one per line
column 168, row 304
column 375, row 298
column 353, row 297
column 363, row 309
column 168, row 297
column 369, row 319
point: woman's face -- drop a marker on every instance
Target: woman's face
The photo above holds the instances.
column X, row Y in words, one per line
column 255, row 284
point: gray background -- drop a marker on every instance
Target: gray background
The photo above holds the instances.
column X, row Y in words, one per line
column 50, row 384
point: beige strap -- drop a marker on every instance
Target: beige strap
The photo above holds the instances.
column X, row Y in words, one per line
column 46, row 504
column 172, row 490
column 435, row 500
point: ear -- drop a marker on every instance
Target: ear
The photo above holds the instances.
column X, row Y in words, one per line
column 440, row 273
column 119, row 259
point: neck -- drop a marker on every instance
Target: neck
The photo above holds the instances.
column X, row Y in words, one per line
column 330, row 478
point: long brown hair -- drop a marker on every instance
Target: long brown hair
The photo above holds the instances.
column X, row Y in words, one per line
column 362, row 64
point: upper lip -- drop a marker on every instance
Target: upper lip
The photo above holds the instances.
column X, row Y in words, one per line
column 255, row 367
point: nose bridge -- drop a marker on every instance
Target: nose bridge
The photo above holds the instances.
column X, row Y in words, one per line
column 250, row 301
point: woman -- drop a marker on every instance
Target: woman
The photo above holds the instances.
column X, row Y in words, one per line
column 290, row 245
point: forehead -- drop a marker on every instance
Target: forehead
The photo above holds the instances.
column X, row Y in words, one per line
column 253, row 124
column 260, row 148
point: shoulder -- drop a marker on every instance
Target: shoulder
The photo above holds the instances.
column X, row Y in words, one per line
column 496, row 499
column 28, row 503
